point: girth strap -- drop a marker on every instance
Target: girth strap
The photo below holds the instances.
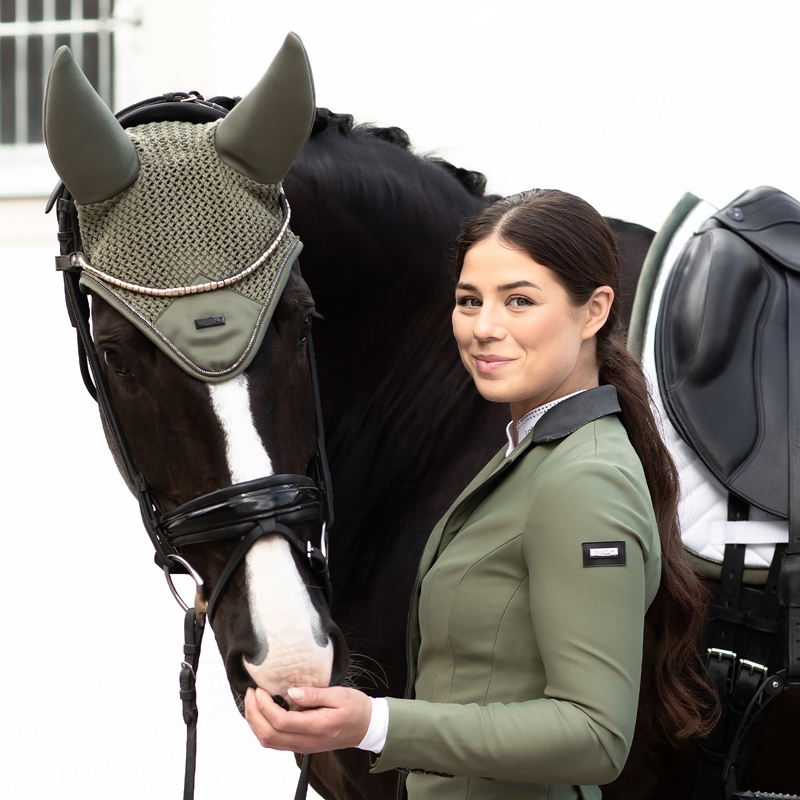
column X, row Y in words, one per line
column 754, row 686
column 743, row 652
column 721, row 639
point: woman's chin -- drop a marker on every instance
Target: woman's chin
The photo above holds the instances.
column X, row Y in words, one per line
column 492, row 392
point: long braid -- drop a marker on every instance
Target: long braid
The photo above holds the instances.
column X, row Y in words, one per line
column 676, row 615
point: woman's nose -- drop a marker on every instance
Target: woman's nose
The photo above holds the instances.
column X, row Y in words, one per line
column 486, row 325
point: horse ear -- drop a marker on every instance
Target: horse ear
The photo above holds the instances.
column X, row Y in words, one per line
column 265, row 132
column 91, row 153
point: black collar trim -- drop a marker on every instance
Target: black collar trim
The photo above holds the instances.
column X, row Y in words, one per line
column 575, row 412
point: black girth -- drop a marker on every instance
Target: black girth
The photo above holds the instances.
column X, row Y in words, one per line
column 246, row 512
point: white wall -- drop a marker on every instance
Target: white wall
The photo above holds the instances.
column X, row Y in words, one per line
column 628, row 103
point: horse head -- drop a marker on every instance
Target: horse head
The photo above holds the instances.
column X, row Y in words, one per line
column 200, row 321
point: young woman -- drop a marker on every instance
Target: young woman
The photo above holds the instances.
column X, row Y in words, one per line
column 527, row 623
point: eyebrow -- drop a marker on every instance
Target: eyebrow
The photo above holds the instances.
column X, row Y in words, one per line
column 503, row 287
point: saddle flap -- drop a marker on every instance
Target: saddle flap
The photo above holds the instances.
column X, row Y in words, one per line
column 721, row 355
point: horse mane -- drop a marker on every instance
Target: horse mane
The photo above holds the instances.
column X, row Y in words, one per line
column 474, row 182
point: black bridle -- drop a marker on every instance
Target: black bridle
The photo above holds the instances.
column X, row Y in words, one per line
column 244, row 512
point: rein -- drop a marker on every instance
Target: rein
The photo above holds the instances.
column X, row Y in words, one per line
column 244, row 512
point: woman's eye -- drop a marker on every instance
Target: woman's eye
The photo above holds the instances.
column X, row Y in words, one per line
column 520, row 302
column 116, row 362
column 468, row 302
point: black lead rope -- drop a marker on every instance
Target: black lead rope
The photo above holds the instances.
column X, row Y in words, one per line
column 302, row 784
column 193, row 627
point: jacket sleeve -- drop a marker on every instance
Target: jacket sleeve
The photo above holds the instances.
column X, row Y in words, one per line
column 588, row 623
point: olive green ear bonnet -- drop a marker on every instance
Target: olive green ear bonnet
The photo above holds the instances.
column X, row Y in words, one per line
column 184, row 225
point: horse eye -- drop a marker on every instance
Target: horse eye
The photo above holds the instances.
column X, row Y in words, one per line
column 117, row 363
column 306, row 327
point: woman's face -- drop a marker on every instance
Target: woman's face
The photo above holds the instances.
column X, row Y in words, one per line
column 520, row 337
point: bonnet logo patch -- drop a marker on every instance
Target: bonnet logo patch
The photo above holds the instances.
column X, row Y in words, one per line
column 603, row 554
column 209, row 322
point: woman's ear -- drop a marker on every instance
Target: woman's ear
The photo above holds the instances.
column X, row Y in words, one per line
column 597, row 310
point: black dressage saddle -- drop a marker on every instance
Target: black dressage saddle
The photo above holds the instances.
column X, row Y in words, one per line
column 728, row 362
column 723, row 344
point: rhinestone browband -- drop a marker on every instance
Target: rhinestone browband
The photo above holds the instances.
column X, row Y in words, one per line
column 78, row 260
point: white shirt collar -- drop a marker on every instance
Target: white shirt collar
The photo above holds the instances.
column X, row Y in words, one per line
column 528, row 422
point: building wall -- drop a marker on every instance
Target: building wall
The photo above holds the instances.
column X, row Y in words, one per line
column 92, row 637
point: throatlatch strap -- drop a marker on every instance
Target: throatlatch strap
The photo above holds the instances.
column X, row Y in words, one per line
column 320, row 459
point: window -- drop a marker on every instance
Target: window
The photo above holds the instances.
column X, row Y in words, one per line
column 30, row 32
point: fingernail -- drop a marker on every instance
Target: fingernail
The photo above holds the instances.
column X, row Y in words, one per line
column 296, row 694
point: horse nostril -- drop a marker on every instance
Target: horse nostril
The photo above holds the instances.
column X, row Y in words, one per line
column 280, row 701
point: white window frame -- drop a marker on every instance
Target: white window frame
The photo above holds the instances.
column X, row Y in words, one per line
column 25, row 169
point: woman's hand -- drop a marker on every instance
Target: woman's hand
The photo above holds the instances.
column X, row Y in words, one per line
column 329, row 719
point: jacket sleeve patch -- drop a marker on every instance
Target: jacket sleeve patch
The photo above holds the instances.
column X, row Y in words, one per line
column 603, row 554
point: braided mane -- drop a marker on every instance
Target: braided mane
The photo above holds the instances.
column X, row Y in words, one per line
column 474, row 182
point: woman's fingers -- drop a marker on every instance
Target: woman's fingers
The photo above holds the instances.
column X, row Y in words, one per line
column 313, row 696
column 332, row 718
column 259, row 722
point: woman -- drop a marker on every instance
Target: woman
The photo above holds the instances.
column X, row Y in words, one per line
column 527, row 623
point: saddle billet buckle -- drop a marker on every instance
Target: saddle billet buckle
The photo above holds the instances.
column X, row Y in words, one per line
column 752, row 666
column 715, row 651
column 722, row 671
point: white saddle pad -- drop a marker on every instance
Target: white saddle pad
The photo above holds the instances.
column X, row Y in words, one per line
column 703, row 508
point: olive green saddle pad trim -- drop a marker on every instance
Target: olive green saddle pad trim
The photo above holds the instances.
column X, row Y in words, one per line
column 651, row 268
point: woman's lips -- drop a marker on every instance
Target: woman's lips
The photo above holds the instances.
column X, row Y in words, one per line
column 489, row 364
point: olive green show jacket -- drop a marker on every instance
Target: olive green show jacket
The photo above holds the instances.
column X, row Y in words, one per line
column 525, row 639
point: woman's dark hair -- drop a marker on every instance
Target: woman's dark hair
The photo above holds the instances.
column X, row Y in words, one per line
column 565, row 234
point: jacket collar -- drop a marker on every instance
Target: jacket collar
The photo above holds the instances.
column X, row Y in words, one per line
column 575, row 412
column 570, row 415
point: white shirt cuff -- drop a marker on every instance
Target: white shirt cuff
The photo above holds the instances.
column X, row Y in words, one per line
column 375, row 737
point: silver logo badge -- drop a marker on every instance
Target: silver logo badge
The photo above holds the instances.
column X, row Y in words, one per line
column 603, row 552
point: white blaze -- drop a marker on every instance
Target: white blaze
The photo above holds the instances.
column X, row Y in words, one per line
column 247, row 458
column 286, row 624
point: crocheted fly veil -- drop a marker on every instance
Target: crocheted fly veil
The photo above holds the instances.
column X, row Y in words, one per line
column 184, row 227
